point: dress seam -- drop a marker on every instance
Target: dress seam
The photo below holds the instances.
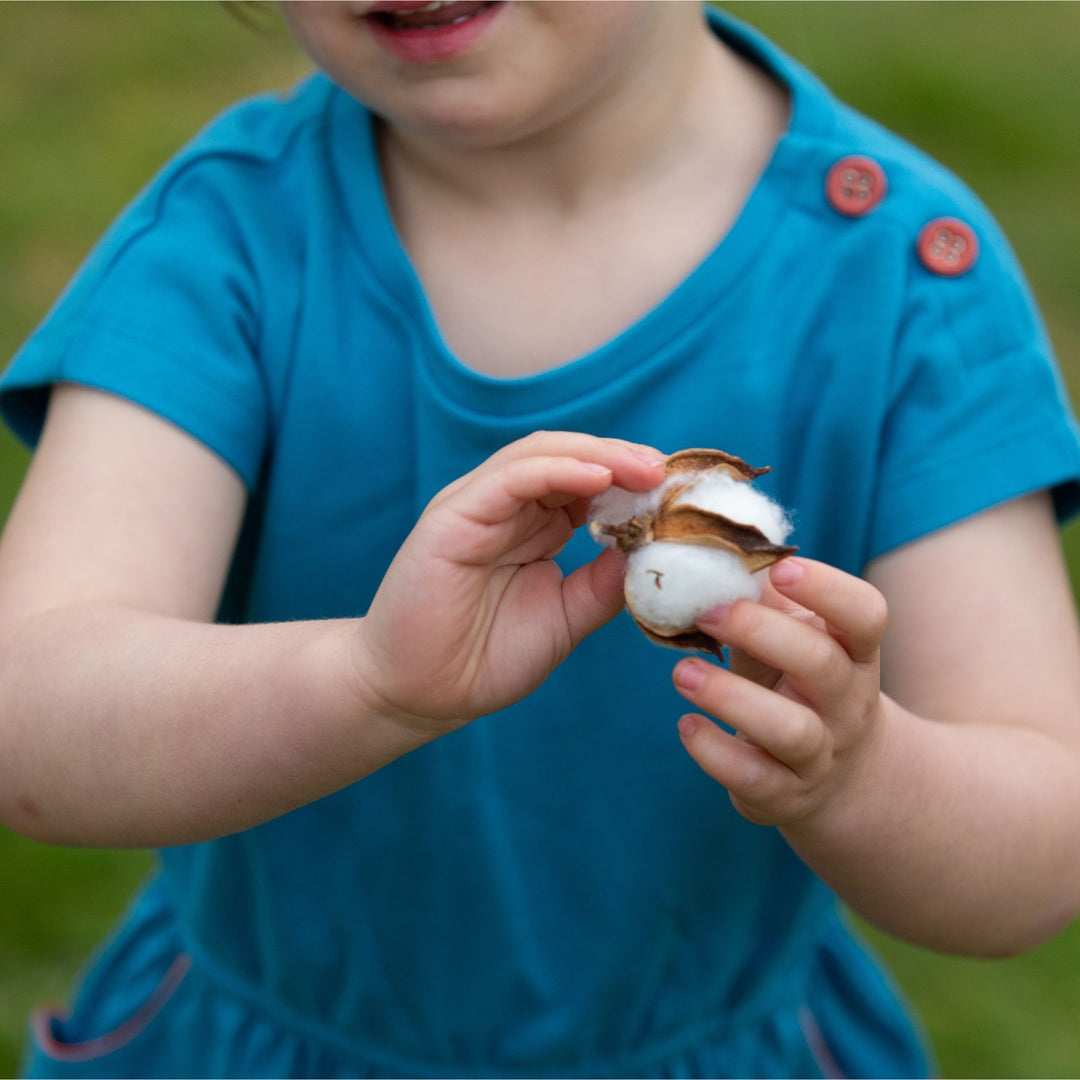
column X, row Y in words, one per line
column 649, row 1063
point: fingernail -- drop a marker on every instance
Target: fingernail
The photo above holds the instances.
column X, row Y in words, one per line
column 689, row 675
column 652, row 459
column 688, row 725
column 786, row 572
column 599, row 470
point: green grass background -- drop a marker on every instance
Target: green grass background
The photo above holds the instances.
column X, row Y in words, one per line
column 95, row 96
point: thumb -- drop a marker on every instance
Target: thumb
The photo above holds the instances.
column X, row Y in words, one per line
column 593, row 594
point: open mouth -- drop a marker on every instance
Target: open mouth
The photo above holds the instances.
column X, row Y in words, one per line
column 431, row 16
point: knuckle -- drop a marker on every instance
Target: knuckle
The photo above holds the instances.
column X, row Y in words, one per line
column 531, row 445
column 749, row 811
column 824, row 660
column 755, row 789
column 780, row 807
column 756, row 810
column 750, row 785
column 540, row 437
column 711, row 756
column 801, row 739
column 876, row 617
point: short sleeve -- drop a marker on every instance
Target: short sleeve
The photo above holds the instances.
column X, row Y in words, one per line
column 978, row 413
column 165, row 312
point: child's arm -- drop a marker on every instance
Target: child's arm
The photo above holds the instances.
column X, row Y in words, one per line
column 128, row 718
column 946, row 814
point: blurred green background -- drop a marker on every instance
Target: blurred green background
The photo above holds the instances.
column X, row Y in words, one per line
column 95, row 96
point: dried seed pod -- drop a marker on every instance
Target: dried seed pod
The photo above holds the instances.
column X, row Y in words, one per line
column 705, row 460
column 694, row 543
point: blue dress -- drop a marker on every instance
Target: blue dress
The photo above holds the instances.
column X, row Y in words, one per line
column 554, row 890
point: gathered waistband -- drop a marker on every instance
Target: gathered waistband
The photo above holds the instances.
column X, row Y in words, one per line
column 154, row 1004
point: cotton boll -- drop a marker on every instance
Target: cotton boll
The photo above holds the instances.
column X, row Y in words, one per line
column 737, row 500
column 670, row 586
column 698, row 541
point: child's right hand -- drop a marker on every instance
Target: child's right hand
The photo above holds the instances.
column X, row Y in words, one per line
column 114, row 674
column 473, row 614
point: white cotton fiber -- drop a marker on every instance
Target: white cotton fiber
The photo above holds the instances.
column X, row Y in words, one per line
column 615, row 506
column 669, row 585
column 739, row 501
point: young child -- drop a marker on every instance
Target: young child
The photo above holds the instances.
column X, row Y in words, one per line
column 293, row 589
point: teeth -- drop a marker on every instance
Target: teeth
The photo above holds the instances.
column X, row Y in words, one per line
column 433, row 6
column 406, row 15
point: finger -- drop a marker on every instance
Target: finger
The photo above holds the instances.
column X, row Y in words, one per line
column 759, row 783
column 792, row 733
column 634, row 466
column 816, row 665
column 770, row 597
column 743, row 663
column 494, row 496
column 544, row 543
column 855, row 612
column 593, row 594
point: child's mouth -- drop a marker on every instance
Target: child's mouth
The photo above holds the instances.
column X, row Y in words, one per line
column 430, row 32
column 433, row 15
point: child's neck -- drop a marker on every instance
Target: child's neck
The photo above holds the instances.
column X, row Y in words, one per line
column 535, row 253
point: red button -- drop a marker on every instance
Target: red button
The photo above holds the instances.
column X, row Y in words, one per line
column 855, row 185
column 948, row 246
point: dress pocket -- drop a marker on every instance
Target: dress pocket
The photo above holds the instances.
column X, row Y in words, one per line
column 818, row 1046
column 55, row 1043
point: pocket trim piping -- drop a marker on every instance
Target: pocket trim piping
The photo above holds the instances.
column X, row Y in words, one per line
column 120, row 1036
column 818, row 1046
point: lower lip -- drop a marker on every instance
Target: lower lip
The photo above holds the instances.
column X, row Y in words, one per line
column 432, row 45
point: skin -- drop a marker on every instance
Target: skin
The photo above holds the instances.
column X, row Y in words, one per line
column 580, row 152
column 914, row 735
column 943, row 812
column 130, row 719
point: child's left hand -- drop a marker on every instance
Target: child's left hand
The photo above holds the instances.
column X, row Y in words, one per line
column 803, row 694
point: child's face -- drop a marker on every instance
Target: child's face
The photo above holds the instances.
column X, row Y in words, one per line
column 484, row 74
